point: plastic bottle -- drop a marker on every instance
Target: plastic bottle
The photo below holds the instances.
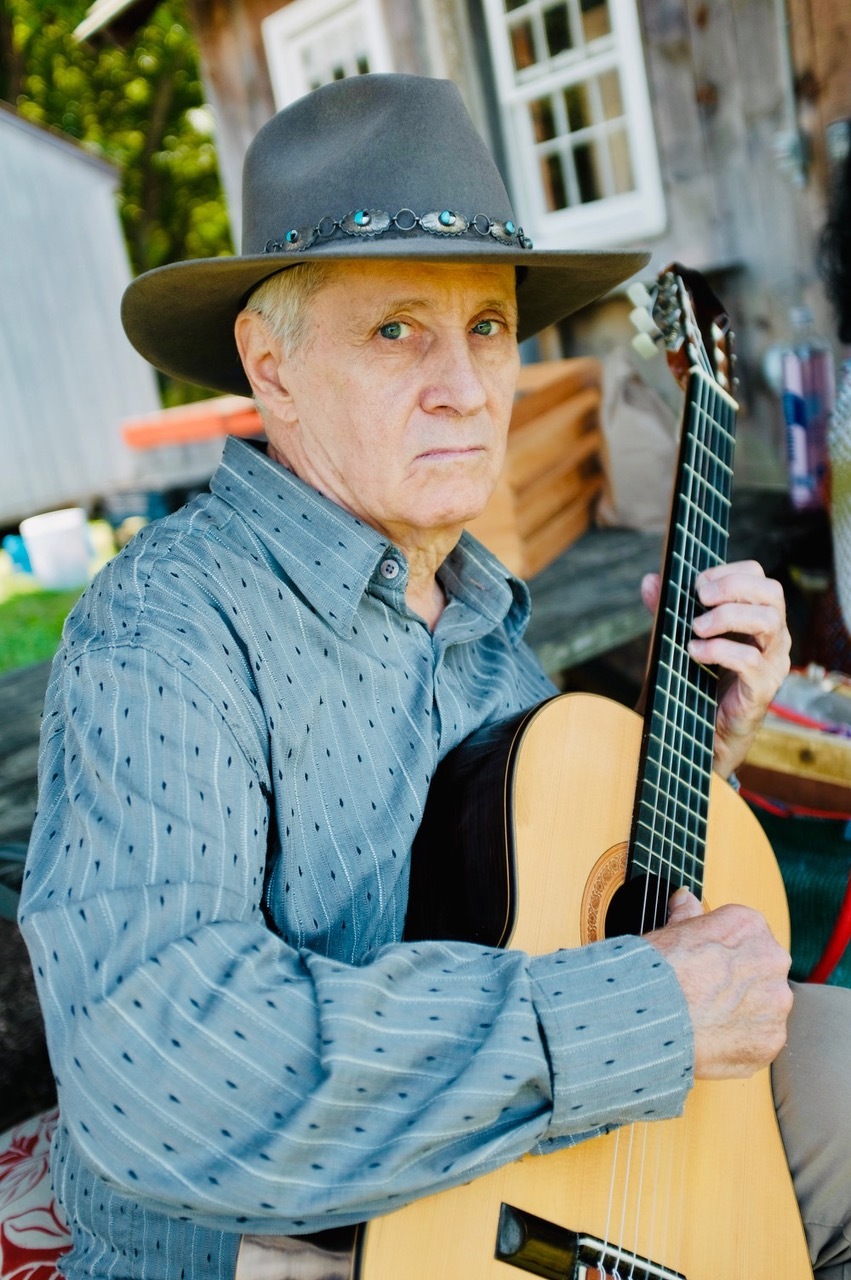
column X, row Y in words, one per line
column 809, row 388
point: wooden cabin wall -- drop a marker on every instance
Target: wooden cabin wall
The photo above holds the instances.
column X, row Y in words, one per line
column 236, row 78
column 722, row 101
column 428, row 37
column 821, row 40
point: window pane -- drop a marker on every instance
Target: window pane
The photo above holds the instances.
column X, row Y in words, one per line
column 523, row 45
column 557, row 27
column 595, row 19
column 543, row 119
column 577, row 104
column 363, row 64
column 610, row 95
column 621, row 162
column 513, row 4
column 586, row 158
column 552, row 180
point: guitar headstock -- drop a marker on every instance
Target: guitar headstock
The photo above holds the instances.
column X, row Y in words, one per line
column 683, row 313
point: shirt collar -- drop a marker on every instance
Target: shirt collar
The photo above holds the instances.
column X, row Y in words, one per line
column 331, row 556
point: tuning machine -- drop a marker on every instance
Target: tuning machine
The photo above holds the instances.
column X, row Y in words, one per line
column 642, row 318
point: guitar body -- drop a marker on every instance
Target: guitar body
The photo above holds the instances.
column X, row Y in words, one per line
column 706, row 1195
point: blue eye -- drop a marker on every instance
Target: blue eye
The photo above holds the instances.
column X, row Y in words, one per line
column 486, row 327
column 394, row 329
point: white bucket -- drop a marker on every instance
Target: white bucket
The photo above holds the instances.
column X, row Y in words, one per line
column 58, row 546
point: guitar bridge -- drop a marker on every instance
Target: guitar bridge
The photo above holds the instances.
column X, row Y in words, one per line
column 545, row 1249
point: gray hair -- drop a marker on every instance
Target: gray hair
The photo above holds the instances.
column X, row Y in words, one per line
column 282, row 301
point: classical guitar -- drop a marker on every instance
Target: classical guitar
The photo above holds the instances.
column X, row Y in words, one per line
column 537, row 835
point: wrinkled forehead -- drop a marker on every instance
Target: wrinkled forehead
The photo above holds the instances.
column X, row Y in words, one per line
column 466, row 283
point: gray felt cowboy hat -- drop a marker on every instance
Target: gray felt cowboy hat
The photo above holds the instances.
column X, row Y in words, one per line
column 387, row 167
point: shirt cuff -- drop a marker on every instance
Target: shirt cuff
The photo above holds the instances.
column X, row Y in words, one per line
column 618, row 1034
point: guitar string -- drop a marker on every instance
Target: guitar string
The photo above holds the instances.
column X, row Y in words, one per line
column 706, row 477
column 661, row 822
column 719, row 420
column 686, row 603
column 721, row 424
column 699, row 763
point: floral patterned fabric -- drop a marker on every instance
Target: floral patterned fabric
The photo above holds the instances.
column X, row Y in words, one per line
column 33, row 1234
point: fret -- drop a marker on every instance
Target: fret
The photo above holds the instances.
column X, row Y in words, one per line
column 690, row 728
column 674, row 755
column 687, row 669
column 711, row 454
column 671, row 826
column 659, row 772
column 689, row 791
column 669, row 868
column 703, row 483
column 727, row 402
column 687, row 800
column 702, row 515
column 673, row 866
column 711, row 555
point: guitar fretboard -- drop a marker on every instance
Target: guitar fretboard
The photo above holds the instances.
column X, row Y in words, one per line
column 672, row 795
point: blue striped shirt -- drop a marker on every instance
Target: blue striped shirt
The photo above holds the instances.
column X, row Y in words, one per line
column 238, row 740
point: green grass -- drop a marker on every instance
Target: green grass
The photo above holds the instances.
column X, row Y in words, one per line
column 31, row 626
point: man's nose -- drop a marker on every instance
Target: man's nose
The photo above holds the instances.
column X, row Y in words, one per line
column 454, row 378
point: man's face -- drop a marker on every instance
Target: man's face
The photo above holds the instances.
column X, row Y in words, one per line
column 398, row 402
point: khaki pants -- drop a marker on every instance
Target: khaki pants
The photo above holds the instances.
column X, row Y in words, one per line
column 812, row 1093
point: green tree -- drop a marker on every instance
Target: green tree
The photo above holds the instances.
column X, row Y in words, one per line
column 140, row 105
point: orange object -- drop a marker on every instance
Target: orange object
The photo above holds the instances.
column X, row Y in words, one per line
column 189, row 423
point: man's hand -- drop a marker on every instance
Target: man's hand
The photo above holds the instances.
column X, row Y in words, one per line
column 734, row 978
column 743, row 630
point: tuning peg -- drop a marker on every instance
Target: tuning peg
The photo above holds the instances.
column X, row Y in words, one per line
column 639, row 296
column 644, row 345
column 644, row 322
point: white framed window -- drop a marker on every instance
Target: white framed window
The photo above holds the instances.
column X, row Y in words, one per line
column 312, row 42
column 577, row 119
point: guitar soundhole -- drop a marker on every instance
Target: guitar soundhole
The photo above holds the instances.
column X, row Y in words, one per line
column 612, row 905
column 639, row 905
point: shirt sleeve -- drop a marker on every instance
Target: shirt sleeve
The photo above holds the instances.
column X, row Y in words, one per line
column 206, row 1067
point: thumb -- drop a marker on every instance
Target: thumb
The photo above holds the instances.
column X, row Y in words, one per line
column 650, row 587
column 683, row 905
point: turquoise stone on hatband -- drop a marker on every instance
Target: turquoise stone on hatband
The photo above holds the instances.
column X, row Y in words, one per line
column 375, row 222
column 444, row 223
column 365, row 222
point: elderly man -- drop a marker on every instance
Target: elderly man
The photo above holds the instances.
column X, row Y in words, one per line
column 247, row 713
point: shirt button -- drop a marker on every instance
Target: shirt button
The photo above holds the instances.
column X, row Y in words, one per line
column 389, row 569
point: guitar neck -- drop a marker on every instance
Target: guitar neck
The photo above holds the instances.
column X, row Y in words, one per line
column 672, row 795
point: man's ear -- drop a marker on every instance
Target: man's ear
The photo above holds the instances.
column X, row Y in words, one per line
column 263, row 360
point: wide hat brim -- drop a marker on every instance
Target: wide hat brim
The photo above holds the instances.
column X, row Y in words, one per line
column 375, row 167
column 181, row 317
